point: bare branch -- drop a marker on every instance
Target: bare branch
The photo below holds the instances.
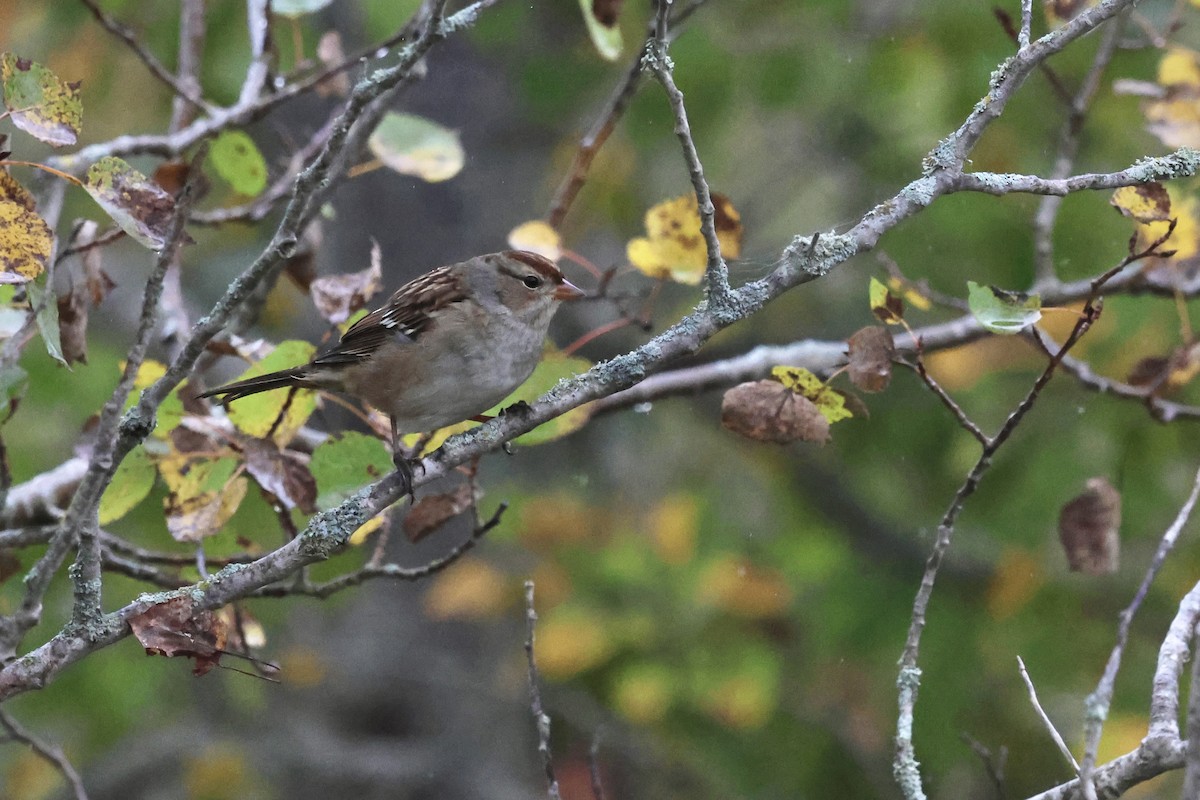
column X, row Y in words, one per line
column 51, row 753
column 155, row 66
column 540, row 718
column 1099, row 700
column 1053, row 731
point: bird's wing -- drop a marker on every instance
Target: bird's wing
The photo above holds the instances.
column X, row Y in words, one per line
column 408, row 313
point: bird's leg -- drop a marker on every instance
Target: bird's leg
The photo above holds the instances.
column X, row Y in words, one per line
column 402, row 464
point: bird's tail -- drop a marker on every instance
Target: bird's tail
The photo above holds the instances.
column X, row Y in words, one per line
column 296, row 376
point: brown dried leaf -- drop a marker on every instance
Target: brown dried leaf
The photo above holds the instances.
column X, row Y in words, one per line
column 339, row 296
column 768, row 411
column 1087, row 528
column 871, row 352
column 281, row 473
column 171, row 176
column 72, row 324
column 1148, row 371
column 434, row 510
column 178, row 628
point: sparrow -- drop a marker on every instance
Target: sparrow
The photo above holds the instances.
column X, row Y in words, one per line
column 446, row 347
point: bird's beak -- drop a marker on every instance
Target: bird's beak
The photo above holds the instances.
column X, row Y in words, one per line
column 567, row 291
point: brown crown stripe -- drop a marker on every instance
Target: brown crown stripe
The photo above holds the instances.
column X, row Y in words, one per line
column 539, row 263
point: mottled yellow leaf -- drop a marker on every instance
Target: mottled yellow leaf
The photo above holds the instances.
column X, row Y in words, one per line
column 801, row 381
column 25, row 243
column 674, row 247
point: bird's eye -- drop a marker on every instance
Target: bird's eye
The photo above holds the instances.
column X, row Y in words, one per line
column 532, row 281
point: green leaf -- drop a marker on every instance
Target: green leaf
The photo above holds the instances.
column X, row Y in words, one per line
column 130, row 484
column 236, row 158
column 257, row 414
column 25, row 243
column 1002, row 311
column 413, row 145
column 606, row 37
column 39, row 103
column 45, row 305
column 137, row 204
column 297, row 8
column 13, row 381
column 553, row 368
column 344, row 465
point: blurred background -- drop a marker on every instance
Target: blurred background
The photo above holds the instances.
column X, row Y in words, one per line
column 719, row 618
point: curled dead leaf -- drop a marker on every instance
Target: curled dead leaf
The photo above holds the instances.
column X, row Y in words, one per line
column 178, row 628
column 434, row 510
column 281, row 473
column 1088, row 526
column 871, row 352
column 768, row 411
column 339, row 296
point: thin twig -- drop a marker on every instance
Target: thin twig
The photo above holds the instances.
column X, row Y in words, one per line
column 594, row 767
column 155, row 66
column 541, row 719
column 658, row 62
column 1054, row 734
column 908, row 680
column 1096, row 707
column 993, row 764
column 51, row 753
column 965, row 422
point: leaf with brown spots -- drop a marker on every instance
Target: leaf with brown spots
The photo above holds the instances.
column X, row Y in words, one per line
column 434, row 510
column 338, row 296
column 137, row 204
column 281, row 473
column 25, row 243
column 1146, row 202
column 39, row 103
column 871, row 352
column 1088, row 526
column 178, row 628
column 192, row 517
column 768, row 411
column 674, row 246
column 11, row 189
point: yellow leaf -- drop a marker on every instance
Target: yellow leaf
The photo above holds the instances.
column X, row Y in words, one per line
column 744, row 702
column 910, row 292
column 1185, row 240
column 558, row 518
column 673, row 525
column 570, row 641
column 302, row 667
column 537, row 237
column 470, row 589
column 801, row 381
column 1017, row 578
column 1179, row 66
column 743, row 589
column 643, row 693
column 1147, row 202
column 25, row 243
column 366, row 529
column 260, row 414
column 674, row 247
